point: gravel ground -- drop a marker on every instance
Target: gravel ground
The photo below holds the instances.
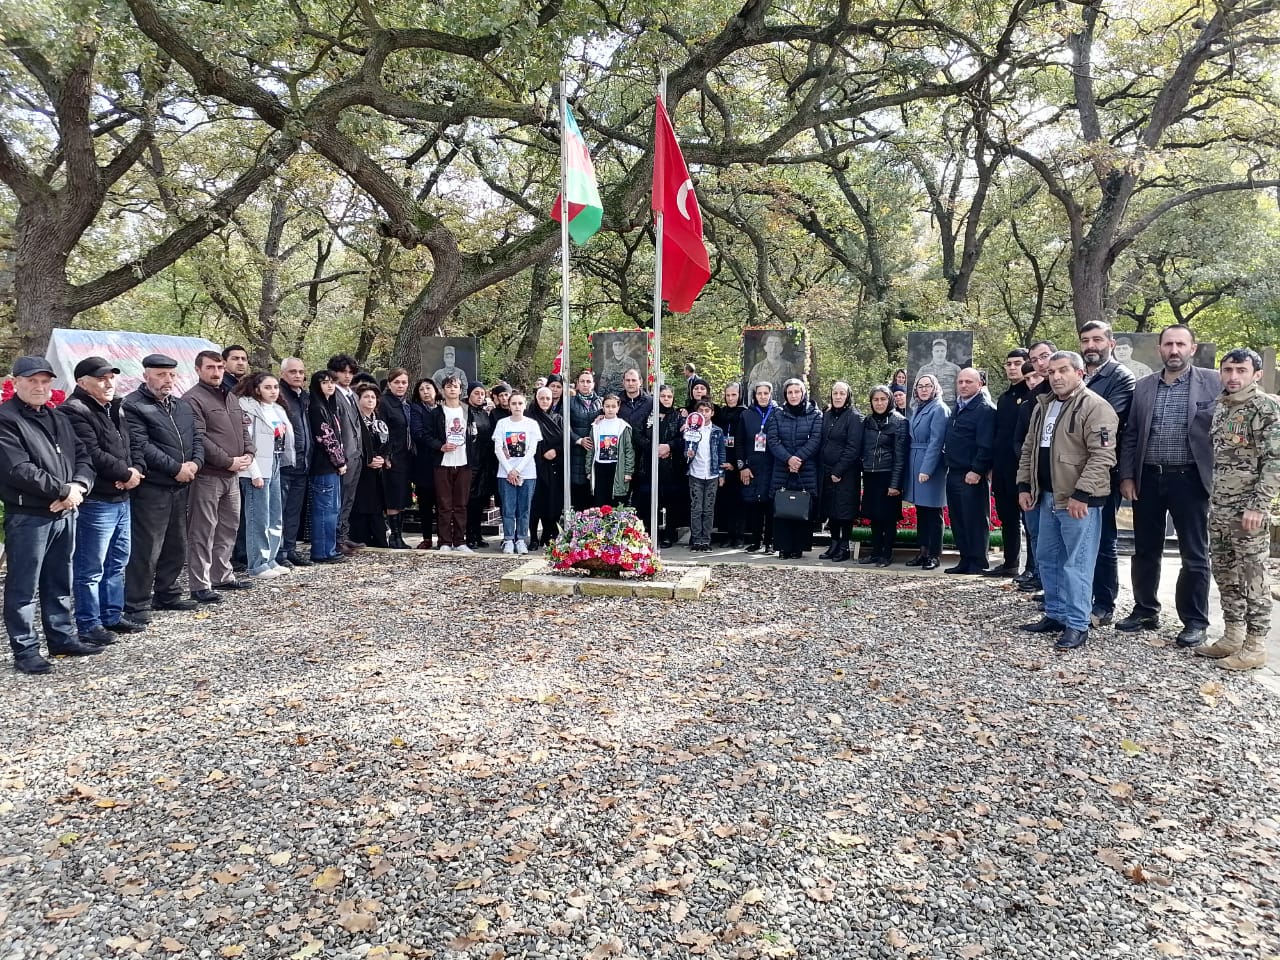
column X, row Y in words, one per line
column 854, row 765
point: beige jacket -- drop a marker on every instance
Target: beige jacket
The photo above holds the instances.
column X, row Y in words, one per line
column 1081, row 454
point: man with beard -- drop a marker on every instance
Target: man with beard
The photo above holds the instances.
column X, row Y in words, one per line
column 637, row 407
column 1113, row 382
column 584, row 408
column 1004, row 463
column 1166, row 469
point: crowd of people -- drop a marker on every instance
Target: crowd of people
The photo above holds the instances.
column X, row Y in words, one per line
column 111, row 498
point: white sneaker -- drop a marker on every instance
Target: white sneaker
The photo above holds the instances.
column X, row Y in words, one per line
column 463, row 549
column 445, row 548
column 508, row 546
column 281, row 570
column 521, row 547
column 267, row 573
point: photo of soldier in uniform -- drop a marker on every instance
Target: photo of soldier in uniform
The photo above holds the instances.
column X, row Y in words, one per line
column 614, row 352
column 451, row 357
column 773, row 357
column 1140, row 352
column 942, row 354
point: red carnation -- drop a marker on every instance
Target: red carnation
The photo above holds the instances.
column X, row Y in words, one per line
column 606, row 510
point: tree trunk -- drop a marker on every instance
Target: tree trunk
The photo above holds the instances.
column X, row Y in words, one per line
column 40, row 287
column 521, row 370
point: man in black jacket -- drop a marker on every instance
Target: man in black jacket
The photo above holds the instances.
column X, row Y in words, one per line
column 296, row 399
column 44, row 476
column 967, row 451
column 1113, row 382
column 167, row 449
column 636, row 409
column 1004, row 463
column 1039, row 354
column 103, row 525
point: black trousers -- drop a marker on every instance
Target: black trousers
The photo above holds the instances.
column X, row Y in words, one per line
column 293, row 495
column 968, row 504
column 1106, row 572
column 929, row 530
column 1004, row 489
column 884, row 512
column 158, row 528
column 1180, row 495
column 758, row 516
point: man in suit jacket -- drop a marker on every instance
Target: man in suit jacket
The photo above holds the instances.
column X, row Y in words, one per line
column 1166, row 468
column 967, row 453
column 344, row 368
column 1113, row 382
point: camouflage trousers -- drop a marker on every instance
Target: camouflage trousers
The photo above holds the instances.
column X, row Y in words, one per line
column 1240, row 570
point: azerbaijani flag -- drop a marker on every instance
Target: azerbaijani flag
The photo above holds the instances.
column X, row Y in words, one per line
column 585, row 208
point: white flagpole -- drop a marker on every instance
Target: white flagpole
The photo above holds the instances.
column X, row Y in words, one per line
column 657, row 349
column 565, row 368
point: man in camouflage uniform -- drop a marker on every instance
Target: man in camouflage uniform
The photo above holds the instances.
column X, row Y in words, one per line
column 1246, row 478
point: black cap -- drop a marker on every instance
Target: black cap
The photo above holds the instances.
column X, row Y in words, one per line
column 158, row 361
column 30, row 366
column 94, row 367
column 475, row 385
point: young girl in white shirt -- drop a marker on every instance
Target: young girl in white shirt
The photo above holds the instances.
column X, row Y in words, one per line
column 515, row 440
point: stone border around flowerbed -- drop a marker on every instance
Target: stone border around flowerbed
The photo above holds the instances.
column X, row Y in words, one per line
column 673, row 582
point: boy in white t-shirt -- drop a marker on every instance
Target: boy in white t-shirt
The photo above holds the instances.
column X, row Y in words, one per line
column 515, row 440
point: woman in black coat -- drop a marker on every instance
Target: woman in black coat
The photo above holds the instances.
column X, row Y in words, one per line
column 367, row 523
column 840, row 455
column 755, row 467
column 484, row 476
column 393, row 410
column 794, row 436
column 425, row 459
column 673, row 487
column 885, row 447
column 548, row 493
column 729, row 514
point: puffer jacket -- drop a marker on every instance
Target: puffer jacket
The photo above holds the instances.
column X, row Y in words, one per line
column 884, row 447
column 163, row 435
column 795, row 435
column 1081, row 453
column 105, row 437
column 40, row 458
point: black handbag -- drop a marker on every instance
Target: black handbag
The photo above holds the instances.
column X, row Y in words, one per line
column 791, row 504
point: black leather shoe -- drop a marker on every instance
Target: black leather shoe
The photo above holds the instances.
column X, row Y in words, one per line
column 1138, row 621
column 1001, row 571
column 298, row 560
column 884, row 562
column 753, row 546
column 206, row 596
column 284, row 562
column 99, row 637
column 1044, row 625
column 1191, row 637
column 75, row 648
column 869, row 558
column 1071, row 638
column 828, row 553
column 959, row 568
column 337, row 558
column 917, row 561
column 181, row 603
column 127, row 625
column 1023, row 577
column 1031, row 586
column 234, row 585
column 1101, row 618
column 141, row 617
column 930, row 563
column 32, row 663
column 1038, row 597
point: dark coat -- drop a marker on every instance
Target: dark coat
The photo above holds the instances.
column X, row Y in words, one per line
column 395, row 414
column 162, row 438
column 223, row 425
column 885, row 447
column 326, row 423
column 582, row 414
column 40, row 458
column 1205, row 387
column 1114, row 383
column 1007, row 450
column 971, row 434
column 636, row 414
column 106, row 438
column 1025, row 410
column 752, row 422
column 552, row 427
column 296, row 404
column 371, row 488
column 791, row 435
column 839, row 455
column 425, row 459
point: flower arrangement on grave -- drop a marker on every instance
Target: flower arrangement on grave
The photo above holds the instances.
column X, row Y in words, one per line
column 604, row 542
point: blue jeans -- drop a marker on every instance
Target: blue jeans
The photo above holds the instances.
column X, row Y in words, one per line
column 263, row 521
column 326, row 501
column 293, row 494
column 515, row 508
column 1066, row 551
column 39, row 550
column 103, row 539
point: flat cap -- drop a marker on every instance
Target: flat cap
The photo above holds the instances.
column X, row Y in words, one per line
column 159, row 361
column 30, row 366
column 94, row 367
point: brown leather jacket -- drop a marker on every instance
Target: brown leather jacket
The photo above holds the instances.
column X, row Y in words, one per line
column 223, row 426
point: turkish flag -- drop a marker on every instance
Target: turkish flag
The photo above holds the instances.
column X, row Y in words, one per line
column 557, row 365
column 685, row 268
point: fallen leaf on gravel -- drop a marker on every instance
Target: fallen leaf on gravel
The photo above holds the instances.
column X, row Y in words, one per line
column 1131, row 747
column 822, row 894
column 279, row 859
column 468, row 883
column 232, row 950
column 66, row 913
column 1112, row 858
column 309, row 949
column 1128, row 831
column 328, row 878
column 847, row 839
column 607, row 948
column 122, row 942
column 357, row 922
column 754, row 895
column 170, row 945
column 971, row 950
column 896, row 938
column 1121, row 791
column 679, row 911
column 1170, row 948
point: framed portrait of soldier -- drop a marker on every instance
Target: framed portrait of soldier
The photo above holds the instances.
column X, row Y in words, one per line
column 614, row 352
column 773, row 355
column 1140, row 352
column 942, row 353
column 451, row 357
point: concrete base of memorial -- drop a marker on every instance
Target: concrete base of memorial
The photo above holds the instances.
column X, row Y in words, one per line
column 673, row 582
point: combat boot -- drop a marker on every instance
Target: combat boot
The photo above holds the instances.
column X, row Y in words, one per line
column 1230, row 643
column 1251, row 656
